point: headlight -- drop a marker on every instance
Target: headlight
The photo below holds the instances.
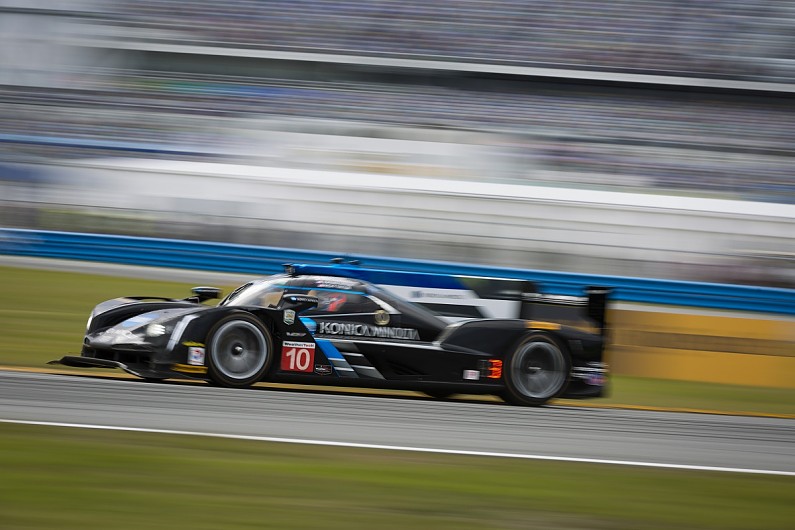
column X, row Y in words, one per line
column 155, row 330
column 90, row 318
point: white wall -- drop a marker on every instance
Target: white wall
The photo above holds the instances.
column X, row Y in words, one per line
column 503, row 224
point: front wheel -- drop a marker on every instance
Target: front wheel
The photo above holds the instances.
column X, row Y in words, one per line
column 537, row 370
column 240, row 351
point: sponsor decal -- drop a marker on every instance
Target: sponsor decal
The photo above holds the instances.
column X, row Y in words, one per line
column 495, row 369
column 193, row 344
column 381, row 317
column 289, row 317
column 323, row 369
column 363, row 330
column 195, row 356
column 471, row 375
column 300, row 298
column 295, row 334
column 491, row 368
column 298, row 356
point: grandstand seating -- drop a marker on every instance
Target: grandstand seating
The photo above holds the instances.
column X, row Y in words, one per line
column 740, row 147
column 726, row 38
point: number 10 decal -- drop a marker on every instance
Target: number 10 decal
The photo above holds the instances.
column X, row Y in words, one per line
column 298, row 356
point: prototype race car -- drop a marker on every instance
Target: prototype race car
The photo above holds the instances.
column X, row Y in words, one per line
column 343, row 324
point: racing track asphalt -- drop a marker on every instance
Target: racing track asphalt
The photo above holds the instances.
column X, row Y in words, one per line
column 555, row 432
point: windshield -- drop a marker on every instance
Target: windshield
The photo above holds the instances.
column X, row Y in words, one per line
column 261, row 293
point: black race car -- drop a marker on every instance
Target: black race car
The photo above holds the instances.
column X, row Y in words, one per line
column 343, row 324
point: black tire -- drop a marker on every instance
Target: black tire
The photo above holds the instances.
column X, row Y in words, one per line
column 239, row 351
column 536, row 371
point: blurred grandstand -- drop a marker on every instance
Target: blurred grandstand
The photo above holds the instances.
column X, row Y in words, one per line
column 726, row 38
column 648, row 96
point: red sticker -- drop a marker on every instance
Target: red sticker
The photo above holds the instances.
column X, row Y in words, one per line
column 298, row 356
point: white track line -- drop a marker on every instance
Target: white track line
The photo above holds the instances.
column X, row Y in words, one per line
column 413, row 449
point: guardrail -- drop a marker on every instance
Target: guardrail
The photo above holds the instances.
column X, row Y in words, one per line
column 251, row 259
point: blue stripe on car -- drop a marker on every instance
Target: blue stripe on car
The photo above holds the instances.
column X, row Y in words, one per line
column 328, row 349
column 310, row 324
column 341, row 366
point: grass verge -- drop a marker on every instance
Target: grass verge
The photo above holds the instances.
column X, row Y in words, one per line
column 81, row 479
column 43, row 315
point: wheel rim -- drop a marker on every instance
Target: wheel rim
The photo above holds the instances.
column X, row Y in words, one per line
column 538, row 370
column 239, row 349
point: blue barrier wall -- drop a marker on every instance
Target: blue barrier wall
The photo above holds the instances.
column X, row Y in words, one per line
column 104, row 144
column 268, row 260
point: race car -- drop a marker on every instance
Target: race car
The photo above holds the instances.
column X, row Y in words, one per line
column 344, row 324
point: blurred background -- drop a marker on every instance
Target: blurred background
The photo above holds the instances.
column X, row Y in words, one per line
column 643, row 138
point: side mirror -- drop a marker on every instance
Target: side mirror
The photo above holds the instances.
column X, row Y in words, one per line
column 297, row 302
column 200, row 294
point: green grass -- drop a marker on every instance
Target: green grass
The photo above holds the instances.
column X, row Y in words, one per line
column 685, row 395
column 43, row 313
column 43, row 316
column 81, row 479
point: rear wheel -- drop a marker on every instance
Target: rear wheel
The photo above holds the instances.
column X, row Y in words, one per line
column 537, row 371
column 240, row 351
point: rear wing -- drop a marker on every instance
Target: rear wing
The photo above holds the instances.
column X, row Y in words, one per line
column 584, row 312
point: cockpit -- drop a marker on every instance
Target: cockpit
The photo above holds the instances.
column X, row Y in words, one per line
column 336, row 296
